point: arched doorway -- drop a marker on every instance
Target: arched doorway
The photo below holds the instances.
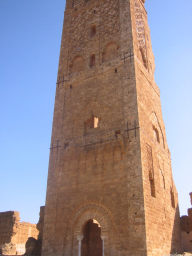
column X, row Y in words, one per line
column 92, row 244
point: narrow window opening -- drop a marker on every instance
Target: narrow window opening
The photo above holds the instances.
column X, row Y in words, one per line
column 152, row 184
column 93, row 31
column 92, row 61
column 92, row 123
column 96, row 122
column 116, row 70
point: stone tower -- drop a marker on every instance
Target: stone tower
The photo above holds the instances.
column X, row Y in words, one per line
column 110, row 188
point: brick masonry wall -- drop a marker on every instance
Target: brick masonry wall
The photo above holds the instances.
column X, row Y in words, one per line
column 118, row 173
column 160, row 195
column 88, row 172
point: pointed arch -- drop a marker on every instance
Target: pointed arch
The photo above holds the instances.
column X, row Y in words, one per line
column 77, row 64
column 100, row 215
column 91, row 211
column 157, row 128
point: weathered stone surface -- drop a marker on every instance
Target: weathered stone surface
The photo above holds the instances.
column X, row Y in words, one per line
column 109, row 160
column 8, row 249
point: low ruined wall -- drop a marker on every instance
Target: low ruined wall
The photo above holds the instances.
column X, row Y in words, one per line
column 186, row 241
column 186, row 230
column 24, row 231
column 14, row 234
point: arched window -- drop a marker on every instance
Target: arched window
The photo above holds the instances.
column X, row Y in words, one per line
column 157, row 130
column 110, row 52
column 77, row 64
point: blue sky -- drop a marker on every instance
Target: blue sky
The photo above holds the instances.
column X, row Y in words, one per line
column 30, row 33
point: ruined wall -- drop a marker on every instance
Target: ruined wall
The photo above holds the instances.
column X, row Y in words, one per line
column 33, row 246
column 14, row 234
column 8, row 222
column 186, row 230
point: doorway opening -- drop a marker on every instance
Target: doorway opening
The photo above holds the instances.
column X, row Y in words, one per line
column 92, row 244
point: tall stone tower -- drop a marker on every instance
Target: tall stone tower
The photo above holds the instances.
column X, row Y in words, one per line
column 110, row 187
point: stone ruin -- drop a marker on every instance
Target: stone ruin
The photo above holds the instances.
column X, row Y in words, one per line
column 20, row 238
column 186, row 230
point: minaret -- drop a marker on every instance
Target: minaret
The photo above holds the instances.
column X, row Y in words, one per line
column 110, row 189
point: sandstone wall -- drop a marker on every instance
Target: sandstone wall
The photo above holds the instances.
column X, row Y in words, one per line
column 160, row 195
column 109, row 158
column 95, row 172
